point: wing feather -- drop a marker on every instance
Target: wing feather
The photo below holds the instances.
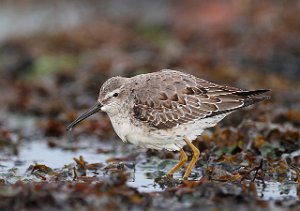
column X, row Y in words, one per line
column 172, row 98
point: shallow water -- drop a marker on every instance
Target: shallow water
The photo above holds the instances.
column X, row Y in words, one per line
column 142, row 175
column 38, row 152
column 276, row 190
column 33, row 152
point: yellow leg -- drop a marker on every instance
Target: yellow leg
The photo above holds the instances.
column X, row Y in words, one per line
column 182, row 161
column 196, row 154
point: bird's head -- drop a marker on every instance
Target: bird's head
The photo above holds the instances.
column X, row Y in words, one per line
column 112, row 93
column 110, row 100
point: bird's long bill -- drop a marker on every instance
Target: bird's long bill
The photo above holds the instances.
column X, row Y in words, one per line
column 91, row 111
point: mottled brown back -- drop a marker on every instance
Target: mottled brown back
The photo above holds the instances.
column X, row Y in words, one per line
column 169, row 98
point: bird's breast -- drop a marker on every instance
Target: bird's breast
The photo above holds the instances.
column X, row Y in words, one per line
column 143, row 135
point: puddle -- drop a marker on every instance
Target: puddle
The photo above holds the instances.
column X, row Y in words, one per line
column 38, row 152
column 142, row 175
column 276, row 190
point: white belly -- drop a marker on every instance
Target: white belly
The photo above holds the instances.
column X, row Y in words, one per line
column 170, row 139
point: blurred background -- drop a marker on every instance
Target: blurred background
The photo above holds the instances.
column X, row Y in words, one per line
column 55, row 55
column 60, row 52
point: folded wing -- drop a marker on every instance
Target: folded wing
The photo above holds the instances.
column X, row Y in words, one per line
column 173, row 98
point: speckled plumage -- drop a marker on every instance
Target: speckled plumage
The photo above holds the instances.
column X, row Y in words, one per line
column 156, row 110
column 167, row 109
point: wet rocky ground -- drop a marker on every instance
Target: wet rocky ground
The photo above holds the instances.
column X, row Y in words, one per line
column 250, row 161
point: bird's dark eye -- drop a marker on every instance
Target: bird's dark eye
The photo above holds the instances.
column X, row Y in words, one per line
column 115, row 95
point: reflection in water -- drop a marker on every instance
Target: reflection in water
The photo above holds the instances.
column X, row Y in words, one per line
column 39, row 152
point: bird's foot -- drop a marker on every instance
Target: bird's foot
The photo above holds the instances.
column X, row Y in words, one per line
column 169, row 176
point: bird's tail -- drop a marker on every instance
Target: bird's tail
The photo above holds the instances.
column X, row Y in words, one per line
column 254, row 96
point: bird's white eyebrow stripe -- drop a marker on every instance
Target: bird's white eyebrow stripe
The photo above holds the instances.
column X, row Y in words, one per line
column 110, row 94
